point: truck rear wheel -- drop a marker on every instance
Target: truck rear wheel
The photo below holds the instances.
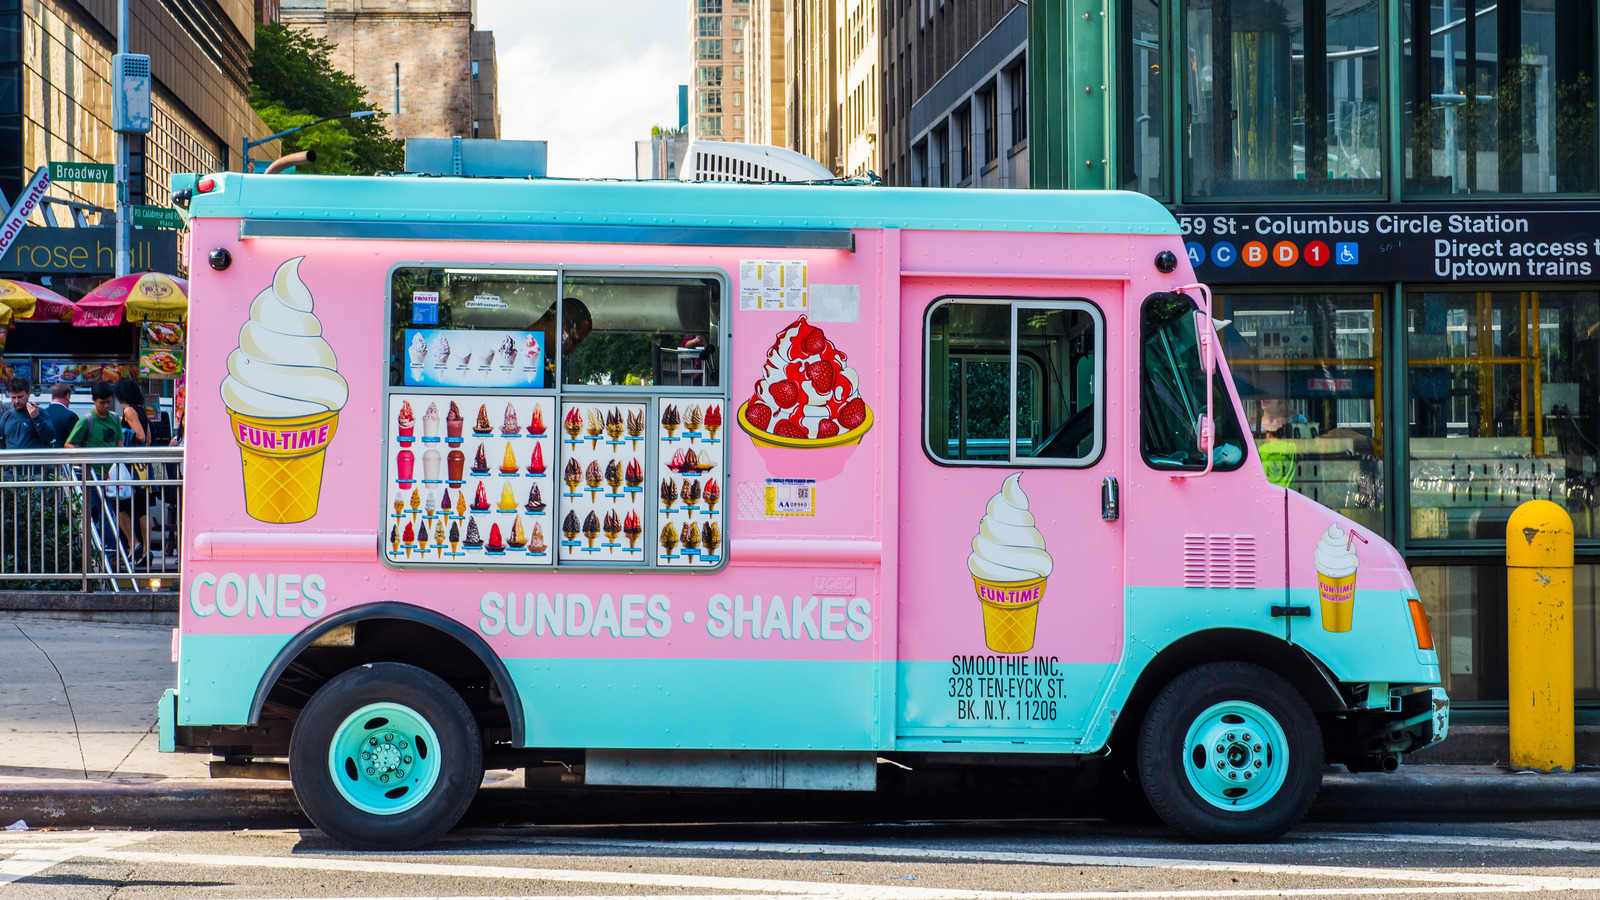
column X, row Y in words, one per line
column 385, row 757
column 1230, row 752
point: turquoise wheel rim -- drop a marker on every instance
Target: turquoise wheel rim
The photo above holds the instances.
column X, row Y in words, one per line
column 384, row 758
column 1236, row 756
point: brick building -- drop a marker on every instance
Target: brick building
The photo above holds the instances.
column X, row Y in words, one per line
column 414, row 57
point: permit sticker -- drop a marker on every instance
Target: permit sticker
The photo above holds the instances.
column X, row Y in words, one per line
column 791, row 497
column 774, row 284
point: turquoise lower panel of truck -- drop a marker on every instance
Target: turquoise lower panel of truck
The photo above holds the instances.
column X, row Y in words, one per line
column 218, row 675
column 623, row 703
column 699, row 704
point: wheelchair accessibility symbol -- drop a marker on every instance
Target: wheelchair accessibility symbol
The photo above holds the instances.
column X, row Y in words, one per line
column 1346, row 253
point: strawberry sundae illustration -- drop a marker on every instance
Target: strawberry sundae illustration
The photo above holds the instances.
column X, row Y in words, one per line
column 808, row 395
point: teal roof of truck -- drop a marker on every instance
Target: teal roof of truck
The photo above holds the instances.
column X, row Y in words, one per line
column 655, row 203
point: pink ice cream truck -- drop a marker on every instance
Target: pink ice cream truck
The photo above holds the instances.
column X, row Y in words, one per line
column 749, row 486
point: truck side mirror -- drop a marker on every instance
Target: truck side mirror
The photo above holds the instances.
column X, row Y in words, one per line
column 1206, row 330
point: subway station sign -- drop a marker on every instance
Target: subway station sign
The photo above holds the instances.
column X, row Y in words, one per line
column 1375, row 244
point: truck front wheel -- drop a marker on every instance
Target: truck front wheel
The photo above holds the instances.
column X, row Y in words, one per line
column 385, row 757
column 1230, row 752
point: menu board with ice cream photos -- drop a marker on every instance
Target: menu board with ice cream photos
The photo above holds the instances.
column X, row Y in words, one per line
column 437, row 357
column 469, row 482
column 690, row 513
column 604, row 500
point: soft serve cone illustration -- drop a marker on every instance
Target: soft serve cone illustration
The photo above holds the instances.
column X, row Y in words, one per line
column 283, row 394
column 1009, row 567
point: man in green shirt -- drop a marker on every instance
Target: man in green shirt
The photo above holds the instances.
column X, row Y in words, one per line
column 99, row 428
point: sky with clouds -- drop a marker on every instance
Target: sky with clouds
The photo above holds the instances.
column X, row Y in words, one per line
column 590, row 78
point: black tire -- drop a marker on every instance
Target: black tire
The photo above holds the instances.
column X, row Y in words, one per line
column 457, row 760
column 1190, row 786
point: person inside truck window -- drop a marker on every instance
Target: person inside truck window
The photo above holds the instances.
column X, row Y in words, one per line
column 576, row 324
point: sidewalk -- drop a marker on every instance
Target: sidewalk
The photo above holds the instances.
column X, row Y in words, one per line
column 78, row 748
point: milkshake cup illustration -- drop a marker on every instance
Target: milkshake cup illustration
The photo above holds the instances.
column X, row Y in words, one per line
column 1009, row 569
column 1336, row 577
column 283, row 393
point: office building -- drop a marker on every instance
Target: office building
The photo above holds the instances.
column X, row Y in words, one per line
column 55, row 93
column 767, row 66
column 1394, row 202
column 717, row 57
column 954, row 92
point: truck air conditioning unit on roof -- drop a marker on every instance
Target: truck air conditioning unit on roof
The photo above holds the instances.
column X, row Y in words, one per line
column 724, row 161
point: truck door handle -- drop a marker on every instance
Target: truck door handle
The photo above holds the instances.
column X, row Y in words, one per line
column 1110, row 499
column 1291, row 612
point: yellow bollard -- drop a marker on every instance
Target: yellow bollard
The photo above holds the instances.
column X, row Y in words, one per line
column 1539, row 614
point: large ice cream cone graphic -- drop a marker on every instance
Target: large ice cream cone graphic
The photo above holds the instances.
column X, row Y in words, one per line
column 283, row 394
column 1336, row 578
column 1009, row 568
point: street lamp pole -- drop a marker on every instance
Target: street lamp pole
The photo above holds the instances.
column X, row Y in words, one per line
column 124, row 213
column 249, row 145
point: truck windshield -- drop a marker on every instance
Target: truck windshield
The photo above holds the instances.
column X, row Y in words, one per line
column 1172, row 383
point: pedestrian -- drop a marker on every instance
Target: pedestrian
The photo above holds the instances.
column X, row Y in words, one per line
column 22, row 424
column 135, row 423
column 135, row 433
column 99, row 428
column 60, row 412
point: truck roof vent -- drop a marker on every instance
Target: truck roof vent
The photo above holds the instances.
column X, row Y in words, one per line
column 1219, row 560
column 749, row 163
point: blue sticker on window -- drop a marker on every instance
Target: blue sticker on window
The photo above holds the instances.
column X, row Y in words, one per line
column 425, row 308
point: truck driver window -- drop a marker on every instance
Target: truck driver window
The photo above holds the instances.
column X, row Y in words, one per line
column 1170, row 387
column 641, row 331
column 979, row 380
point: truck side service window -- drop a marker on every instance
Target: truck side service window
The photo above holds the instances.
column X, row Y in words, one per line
column 1171, row 383
column 556, row 417
column 648, row 330
column 1014, row 382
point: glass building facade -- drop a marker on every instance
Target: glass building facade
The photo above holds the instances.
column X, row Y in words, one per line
column 1397, row 204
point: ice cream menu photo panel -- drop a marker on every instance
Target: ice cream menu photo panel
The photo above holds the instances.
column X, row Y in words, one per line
column 604, row 503
column 690, row 526
column 469, row 480
column 463, row 358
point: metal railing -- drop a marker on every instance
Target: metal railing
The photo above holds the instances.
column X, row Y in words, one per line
column 85, row 520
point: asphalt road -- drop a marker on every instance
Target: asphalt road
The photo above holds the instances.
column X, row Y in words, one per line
column 1054, row 860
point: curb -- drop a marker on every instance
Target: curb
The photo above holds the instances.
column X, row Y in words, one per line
column 1417, row 793
column 1411, row 795
column 98, row 601
column 186, row 805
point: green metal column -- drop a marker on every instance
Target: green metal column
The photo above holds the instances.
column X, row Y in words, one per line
column 1071, row 85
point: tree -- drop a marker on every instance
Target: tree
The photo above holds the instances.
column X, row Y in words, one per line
column 293, row 82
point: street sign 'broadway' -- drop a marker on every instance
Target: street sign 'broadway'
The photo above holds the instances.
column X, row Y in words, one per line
column 97, row 173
